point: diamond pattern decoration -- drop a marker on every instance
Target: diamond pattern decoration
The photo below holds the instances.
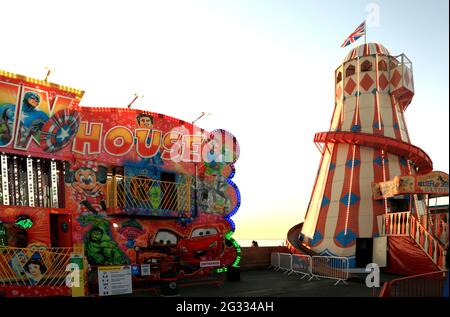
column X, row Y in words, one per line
column 332, row 166
column 325, row 201
column 396, row 126
column 366, row 82
column 345, row 239
column 383, row 82
column 356, row 128
column 350, row 86
column 353, row 199
column 316, row 239
column 379, row 162
column 395, row 79
column 349, row 163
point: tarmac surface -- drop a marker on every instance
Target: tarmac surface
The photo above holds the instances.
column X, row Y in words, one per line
column 268, row 283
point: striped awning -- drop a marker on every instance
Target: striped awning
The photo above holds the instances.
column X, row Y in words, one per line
column 365, row 50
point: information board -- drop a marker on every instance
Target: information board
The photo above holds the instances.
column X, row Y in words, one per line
column 145, row 269
column 114, row 280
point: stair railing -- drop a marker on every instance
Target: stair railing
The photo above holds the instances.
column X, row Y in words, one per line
column 427, row 242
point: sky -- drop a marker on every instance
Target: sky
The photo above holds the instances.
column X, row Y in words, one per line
column 264, row 69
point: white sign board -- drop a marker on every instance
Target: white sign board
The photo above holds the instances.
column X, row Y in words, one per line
column 114, row 280
column 209, row 263
column 145, row 269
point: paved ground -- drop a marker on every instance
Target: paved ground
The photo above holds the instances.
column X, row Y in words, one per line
column 261, row 283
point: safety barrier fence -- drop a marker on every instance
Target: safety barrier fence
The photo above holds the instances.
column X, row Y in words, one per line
column 275, row 261
column 423, row 285
column 302, row 264
column 34, row 266
column 286, row 262
column 330, row 267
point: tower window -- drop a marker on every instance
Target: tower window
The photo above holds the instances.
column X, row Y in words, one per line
column 382, row 65
column 366, row 66
column 350, row 70
column 393, row 63
column 339, row 78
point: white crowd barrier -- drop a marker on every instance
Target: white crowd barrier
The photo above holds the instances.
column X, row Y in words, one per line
column 286, row 262
column 302, row 264
column 331, row 267
column 275, row 261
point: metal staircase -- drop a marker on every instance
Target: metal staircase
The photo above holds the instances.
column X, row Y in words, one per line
column 406, row 224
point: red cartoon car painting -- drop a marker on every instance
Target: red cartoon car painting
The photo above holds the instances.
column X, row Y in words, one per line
column 162, row 253
column 203, row 244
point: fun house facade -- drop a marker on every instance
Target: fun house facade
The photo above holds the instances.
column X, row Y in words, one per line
column 92, row 188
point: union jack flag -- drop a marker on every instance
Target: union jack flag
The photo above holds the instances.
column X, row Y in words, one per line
column 360, row 31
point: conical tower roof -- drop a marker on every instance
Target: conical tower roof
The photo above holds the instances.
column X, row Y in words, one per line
column 366, row 50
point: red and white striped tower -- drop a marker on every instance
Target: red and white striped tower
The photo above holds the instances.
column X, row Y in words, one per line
column 367, row 142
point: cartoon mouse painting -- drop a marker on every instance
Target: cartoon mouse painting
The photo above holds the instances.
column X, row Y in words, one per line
column 88, row 180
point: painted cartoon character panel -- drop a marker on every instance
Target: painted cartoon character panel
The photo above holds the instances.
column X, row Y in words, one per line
column 17, row 263
column 100, row 247
column 204, row 243
column 161, row 252
column 87, row 180
column 215, row 195
column 42, row 120
column 35, row 268
column 8, row 98
column 146, row 121
column 170, row 247
column 30, row 264
column 32, row 119
column 7, row 113
column 131, row 230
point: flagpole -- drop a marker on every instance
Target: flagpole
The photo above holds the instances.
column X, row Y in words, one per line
column 365, row 31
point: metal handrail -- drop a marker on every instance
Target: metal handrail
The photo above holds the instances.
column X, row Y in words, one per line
column 14, row 261
column 432, row 246
column 144, row 193
column 422, row 285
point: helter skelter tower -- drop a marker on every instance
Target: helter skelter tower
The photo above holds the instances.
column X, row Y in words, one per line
column 367, row 143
